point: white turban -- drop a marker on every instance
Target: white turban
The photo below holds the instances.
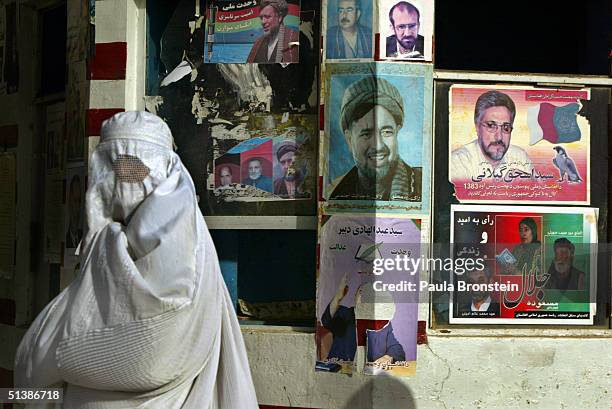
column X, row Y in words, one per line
column 148, row 322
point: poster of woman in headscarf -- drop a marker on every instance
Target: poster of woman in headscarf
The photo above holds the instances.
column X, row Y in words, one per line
column 363, row 323
column 376, row 151
column 533, row 265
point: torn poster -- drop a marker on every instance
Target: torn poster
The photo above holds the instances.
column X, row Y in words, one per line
column 348, row 30
column 533, row 265
column 252, row 31
column 405, row 30
column 361, row 325
column 512, row 143
column 249, row 166
column 376, row 153
column 76, row 103
column 227, row 118
column 54, row 180
column 73, row 219
column 77, row 36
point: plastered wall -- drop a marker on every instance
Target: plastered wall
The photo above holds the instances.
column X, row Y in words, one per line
column 452, row 372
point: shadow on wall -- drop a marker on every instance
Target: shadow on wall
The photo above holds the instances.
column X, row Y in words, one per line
column 382, row 392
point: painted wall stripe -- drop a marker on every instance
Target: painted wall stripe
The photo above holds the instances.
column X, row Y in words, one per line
column 111, row 21
column 95, row 117
column 421, row 332
column 107, row 94
column 109, row 62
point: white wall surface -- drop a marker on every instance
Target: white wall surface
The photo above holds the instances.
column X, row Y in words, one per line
column 452, row 372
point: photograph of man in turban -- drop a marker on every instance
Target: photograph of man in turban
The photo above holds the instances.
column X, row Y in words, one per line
column 279, row 43
column 371, row 117
column 288, row 184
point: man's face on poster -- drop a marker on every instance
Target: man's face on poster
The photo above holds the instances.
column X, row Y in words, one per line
column 75, row 200
column 405, row 25
column 479, row 277
column 494, row 130
column 225, row 175
column 563, row 260
column 348, row 14
column 286, row 162
column 372, row 140
column 270, row 20
column 254, row 169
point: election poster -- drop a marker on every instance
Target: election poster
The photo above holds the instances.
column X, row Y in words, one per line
column 271, row 160
column 376, row 150
column 247, row 133
column 347, row 27
column 405, row 30
column 511, row 144
column 530, row 265
column 252, row 31
column 366, row 314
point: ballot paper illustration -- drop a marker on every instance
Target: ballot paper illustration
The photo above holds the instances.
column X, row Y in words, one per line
column 506, row 257
column 368, row 253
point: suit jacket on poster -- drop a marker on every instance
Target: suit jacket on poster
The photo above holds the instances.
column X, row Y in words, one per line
column 392, row 46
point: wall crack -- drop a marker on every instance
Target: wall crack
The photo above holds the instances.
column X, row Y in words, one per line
column 448, row 374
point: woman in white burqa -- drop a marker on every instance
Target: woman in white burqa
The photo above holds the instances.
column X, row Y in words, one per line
column 148, row 322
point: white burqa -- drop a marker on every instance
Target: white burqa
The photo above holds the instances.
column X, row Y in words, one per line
column 148, row 322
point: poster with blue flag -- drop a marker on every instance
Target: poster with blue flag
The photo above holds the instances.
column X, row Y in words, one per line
column 556, row 124
column 519, row 144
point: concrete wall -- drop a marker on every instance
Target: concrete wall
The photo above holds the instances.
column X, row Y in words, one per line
column 485, row 372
